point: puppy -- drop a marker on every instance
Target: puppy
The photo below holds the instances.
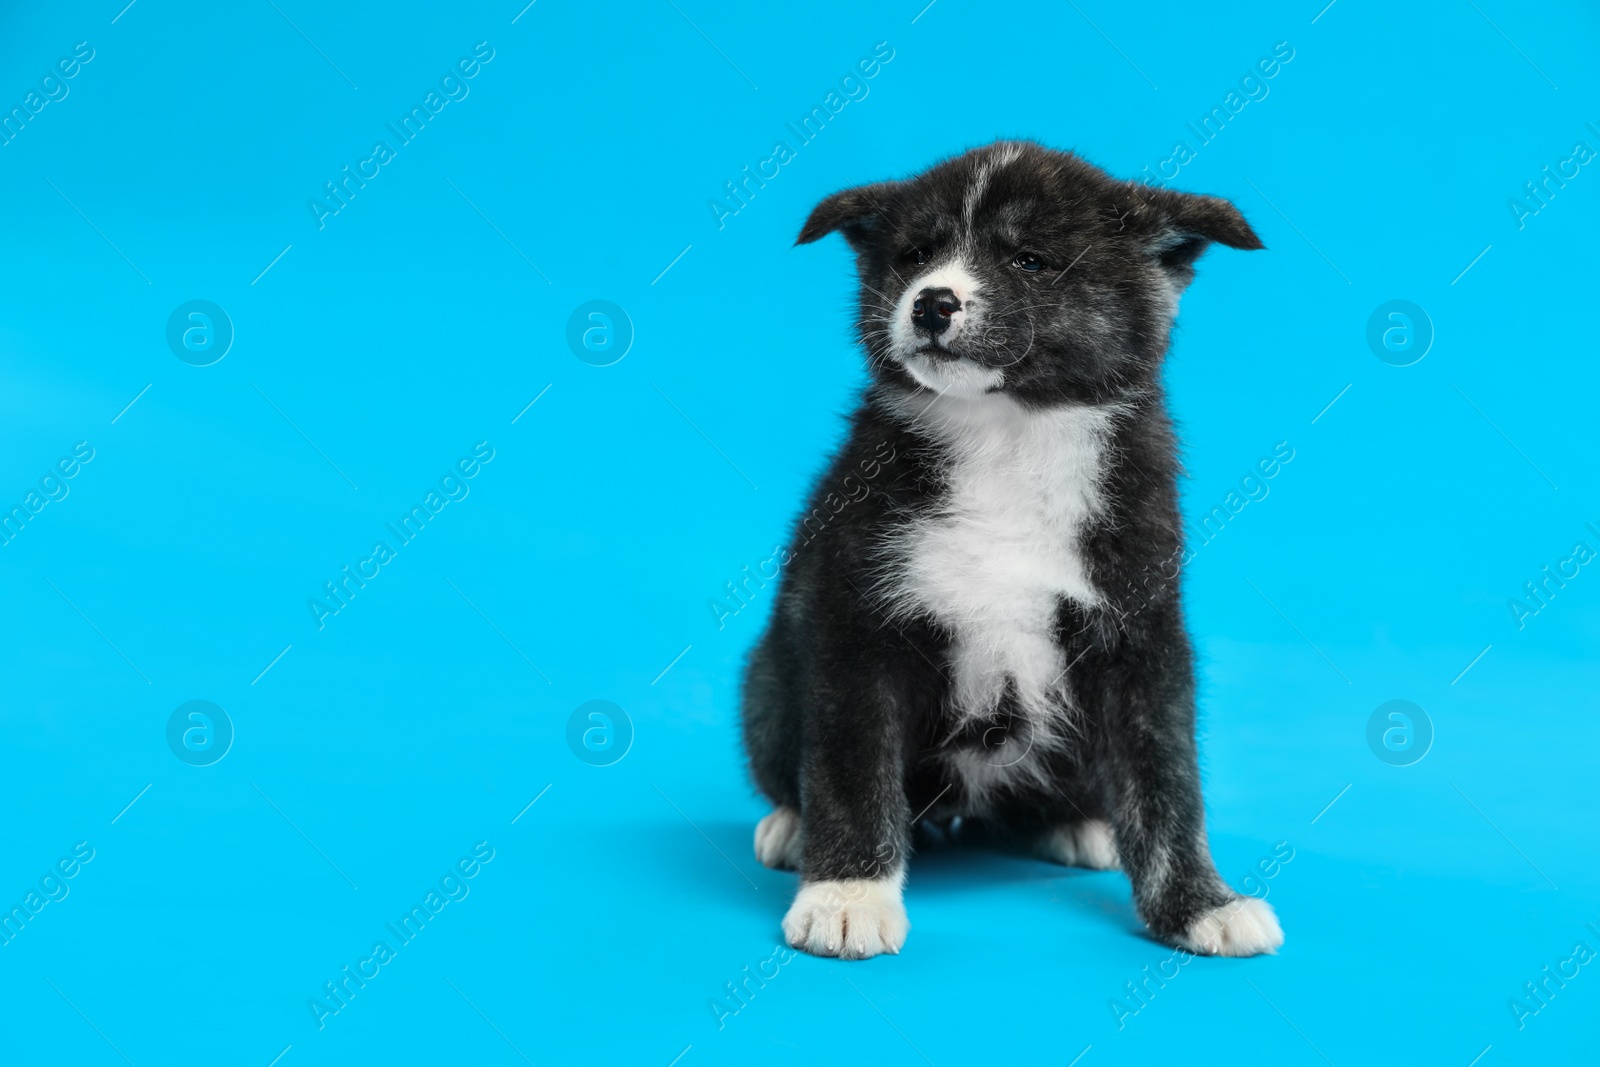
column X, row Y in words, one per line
column 979, row 613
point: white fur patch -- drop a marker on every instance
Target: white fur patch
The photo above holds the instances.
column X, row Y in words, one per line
column 1081, row 844
column 980, row 181
column 974, row 193
column 852, row 919
column 1170, row 294
column 1245, row 926
column 778, row 840
column 960, row 377
column 982, row 772
column 994, row 562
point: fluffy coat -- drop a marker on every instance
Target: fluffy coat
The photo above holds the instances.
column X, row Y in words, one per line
column 993, row 628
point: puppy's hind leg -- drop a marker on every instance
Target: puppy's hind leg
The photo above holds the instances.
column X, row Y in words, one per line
column 772, row 741
column 1080, row 843
column 771, row 715
column 778, row 839
column 1068, row 827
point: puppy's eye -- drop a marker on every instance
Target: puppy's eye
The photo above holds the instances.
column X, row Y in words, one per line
column 917, row 256
column 1027, row 261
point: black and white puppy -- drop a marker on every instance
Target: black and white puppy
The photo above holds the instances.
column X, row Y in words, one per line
column 979, row 612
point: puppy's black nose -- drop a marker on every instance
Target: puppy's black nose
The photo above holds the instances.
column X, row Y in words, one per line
column 932, row 308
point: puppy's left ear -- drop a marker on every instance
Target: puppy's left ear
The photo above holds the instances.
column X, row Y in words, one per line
column 1177, row 227
column 857, row 213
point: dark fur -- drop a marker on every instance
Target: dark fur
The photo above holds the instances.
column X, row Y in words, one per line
column 842, row 707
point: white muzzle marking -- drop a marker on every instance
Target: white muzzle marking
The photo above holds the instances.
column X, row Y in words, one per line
column 939, row 372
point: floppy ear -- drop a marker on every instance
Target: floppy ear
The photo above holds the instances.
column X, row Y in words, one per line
column 1179, row 226
column 856, row 213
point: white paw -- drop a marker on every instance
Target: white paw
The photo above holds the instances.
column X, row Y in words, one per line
column 778, row 840
column 1245, row 926
column 1081, row 844
column 852, row 919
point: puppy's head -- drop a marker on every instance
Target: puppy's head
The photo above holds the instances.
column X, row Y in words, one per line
column 1018, row 269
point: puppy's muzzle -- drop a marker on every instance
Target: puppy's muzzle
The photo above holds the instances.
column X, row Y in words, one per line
column 932, row 311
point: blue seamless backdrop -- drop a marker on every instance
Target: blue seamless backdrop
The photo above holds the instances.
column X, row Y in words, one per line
column 403, row 409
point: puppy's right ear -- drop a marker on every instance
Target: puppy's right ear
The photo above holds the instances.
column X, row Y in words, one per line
column 857, row 213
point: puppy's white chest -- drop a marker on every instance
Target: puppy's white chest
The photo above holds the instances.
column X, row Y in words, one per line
column 994, row 560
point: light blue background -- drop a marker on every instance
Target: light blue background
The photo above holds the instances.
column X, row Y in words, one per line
column 416, row 724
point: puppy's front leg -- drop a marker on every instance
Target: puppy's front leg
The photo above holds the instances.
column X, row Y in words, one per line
column 1159, row 817
column 855, row 832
